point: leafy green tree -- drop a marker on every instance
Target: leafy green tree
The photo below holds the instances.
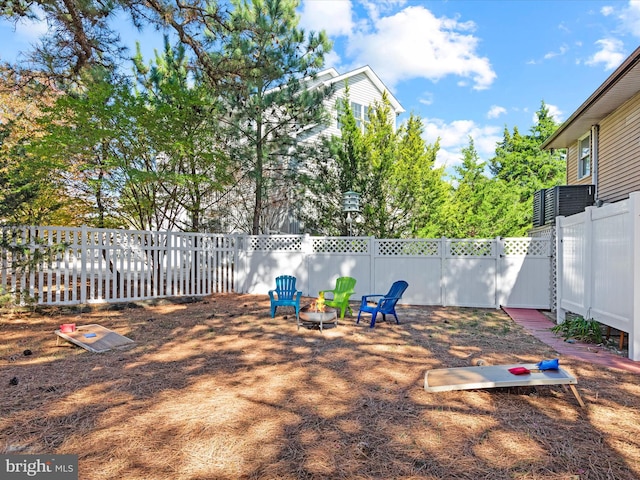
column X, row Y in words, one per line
column 379, row 207
column 419, row 185
column 519, row 159
column 29, row 194
column 401, row 190
column 479, row 206
column 182, row 164
column 84, row 137
column 463, row 212
column 269, row 104
column 521, row 163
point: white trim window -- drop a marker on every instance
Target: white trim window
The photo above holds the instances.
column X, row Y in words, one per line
column 584, row 156
column 360, row 114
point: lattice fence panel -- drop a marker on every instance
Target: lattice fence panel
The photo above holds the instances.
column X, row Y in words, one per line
column 472, row 248
column 420, row 248
column 276, row 243
column 340, row 245
column 527, row 246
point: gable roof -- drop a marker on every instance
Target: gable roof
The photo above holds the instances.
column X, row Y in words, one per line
column 335, row 77
column 621, row 85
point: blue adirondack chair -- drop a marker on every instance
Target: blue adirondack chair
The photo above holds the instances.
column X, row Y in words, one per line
column 285, row 295
column 384, row 304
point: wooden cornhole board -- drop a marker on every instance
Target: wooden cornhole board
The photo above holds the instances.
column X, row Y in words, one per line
column 494, row 376
column 95, row 338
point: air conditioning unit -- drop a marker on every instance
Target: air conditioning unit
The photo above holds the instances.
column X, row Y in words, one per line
column 538, row 208
column 566, row 200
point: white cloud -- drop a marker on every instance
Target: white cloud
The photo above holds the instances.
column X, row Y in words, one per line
column 426, row 98
column 454, row 137
column 606, row 10
column 630, row 18
column 28, row 30
column 495, row 111
column 554, row 111
column 610, row 54
column 336, row 18
column 413, row 43
column 561, row 51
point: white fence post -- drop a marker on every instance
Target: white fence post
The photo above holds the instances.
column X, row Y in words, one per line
column 444, row 247
column 83, row 264
column 306, row 248
column 372, row 262
column 560, row 312
column 634, row 331
column 588, row 263
column 500, row 269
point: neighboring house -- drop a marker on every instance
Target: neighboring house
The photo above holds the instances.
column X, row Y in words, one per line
column 602, row 136
column 365, row 89
column 281, row 214
column 598, row 250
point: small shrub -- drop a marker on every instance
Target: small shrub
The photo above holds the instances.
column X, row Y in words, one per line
column 579, row 328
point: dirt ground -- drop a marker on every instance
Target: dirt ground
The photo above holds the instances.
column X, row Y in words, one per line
column 217, row 389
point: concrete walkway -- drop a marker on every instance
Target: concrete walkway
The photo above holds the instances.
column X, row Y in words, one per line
column 540, row 327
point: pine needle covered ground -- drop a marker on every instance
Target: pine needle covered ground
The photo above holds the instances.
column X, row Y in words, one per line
column 216, row 389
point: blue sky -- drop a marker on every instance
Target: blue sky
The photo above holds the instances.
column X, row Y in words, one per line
column 467, row 67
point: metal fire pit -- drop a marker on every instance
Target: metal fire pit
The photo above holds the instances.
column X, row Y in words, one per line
column 309, row 316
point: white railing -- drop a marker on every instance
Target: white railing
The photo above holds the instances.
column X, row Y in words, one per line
column 100, row 265
column 598, row 267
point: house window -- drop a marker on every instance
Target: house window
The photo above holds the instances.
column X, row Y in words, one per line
column 584, row 156
column 360, row 114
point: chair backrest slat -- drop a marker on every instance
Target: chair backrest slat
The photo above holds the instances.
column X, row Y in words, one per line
column 286, row 287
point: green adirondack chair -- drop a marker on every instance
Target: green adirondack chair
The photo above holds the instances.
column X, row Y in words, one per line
column 340, row 295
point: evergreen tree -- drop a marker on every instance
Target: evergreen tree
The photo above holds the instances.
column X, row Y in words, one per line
column 419, row 184
column 379, row 208
column 519, row 160
column 521, row 164
column 463, row 212
column 269, row 104
column 337, row 169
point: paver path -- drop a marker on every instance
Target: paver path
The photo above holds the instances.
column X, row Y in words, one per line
column 540, row 327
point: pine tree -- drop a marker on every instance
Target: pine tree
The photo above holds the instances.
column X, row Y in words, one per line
column 269, row 104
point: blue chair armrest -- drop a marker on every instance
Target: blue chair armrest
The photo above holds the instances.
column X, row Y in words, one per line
column 365, row 298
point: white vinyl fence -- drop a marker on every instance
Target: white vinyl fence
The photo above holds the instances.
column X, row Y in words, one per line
column 54, row 265
column 58, row 265
column 598, row 267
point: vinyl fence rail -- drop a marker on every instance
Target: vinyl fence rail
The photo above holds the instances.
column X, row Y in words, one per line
column 66, row 266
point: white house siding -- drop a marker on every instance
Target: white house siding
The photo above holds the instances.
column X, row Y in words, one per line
column 361, row 90
column 619, row 150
